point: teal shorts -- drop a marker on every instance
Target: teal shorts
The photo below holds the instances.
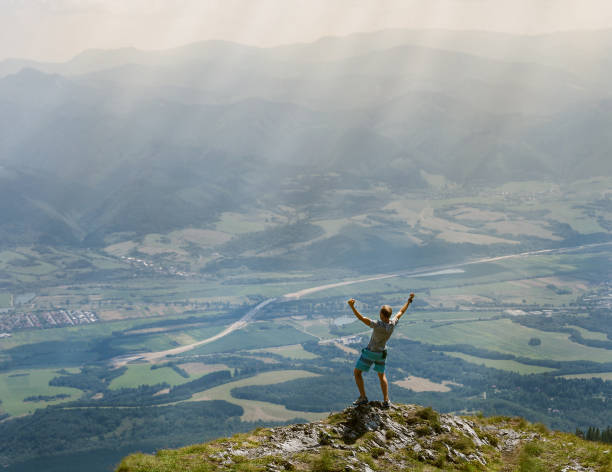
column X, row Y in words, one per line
column 368, row 358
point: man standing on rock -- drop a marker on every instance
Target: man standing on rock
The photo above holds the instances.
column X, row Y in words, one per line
column 376, row 353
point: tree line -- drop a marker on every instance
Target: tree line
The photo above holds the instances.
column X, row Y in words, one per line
column 595, row 434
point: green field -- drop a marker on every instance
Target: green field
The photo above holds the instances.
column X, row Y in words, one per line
column 574, row 217
column 5, row 300
column 295, row 351
column 257, row 410
column 319, row 327
column 501, row 364
column 164, row 341
column 586, row 334
column 17, row 385
column 256, row 335
column 39, row 268
column 7, row 256
column 142, row 374
column 237, row 223
column 504, row 336
column 513, row 291
column 150, row 343
column 445, row 316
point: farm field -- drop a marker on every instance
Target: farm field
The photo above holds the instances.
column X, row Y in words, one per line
column 445, row 316
column 196, row 369
column 420, row 384
column 502, row 364
column 259, row 410
column 238, row 223
column 17, row 385
column 256, row 335
column 295, row 351
column 588, row 334
column 165, row 340
column 318, row 327
column 506, row 337
column 142, row 374
column 511, row 291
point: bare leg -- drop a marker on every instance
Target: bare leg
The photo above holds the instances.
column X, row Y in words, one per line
column 359, row 382
column 384, row 386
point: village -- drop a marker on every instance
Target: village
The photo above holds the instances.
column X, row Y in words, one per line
column 44, row 319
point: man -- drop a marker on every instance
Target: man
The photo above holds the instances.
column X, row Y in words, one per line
column 376, row 353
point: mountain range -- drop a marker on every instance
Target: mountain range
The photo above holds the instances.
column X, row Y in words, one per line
column 132, row 142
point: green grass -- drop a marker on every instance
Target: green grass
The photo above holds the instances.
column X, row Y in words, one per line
column 5, row 300
column 142, row 374
column 107, row 263
column 444, row 316
column 147, row 343
column 551, row 451
column 295, row 351
column 7, row 256
column 513, row 291
column 256, row 335
column 537, row 456
column 236, row 223
column 501, row 364
column 38, row 269
column 256, row 410
column 504, row 336
column 318, row 327
column 575, row 217
column 586, row 334
column 163, row 341
column 17, row 385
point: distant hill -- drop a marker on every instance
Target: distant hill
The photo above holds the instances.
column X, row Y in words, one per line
column 134, row 141
column 369, row 438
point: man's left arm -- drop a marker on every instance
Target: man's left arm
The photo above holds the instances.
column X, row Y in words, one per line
column 404, row 308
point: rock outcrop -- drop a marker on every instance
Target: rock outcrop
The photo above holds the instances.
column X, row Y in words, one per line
column 371, row 438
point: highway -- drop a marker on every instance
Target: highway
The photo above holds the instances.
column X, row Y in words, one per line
column 251, row 314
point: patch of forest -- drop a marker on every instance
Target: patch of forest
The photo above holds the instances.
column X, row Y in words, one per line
column 54, row 431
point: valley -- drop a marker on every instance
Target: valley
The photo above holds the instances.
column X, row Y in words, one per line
column 170, row 332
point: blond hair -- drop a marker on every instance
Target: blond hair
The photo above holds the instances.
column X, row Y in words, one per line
column 386, row 311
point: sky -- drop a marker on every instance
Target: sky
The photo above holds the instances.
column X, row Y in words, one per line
column 56, row 30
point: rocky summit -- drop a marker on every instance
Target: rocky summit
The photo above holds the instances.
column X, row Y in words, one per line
column 372, row 438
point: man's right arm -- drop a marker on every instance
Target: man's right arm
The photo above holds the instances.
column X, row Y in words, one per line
column 361, row 318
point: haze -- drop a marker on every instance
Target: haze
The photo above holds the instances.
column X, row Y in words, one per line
column 56, row 30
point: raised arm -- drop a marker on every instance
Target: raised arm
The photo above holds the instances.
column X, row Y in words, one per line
column 361, row 318
column 404, row 308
